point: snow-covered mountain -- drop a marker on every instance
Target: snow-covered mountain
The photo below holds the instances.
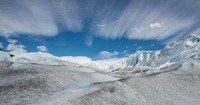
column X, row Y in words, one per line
column 174, row 53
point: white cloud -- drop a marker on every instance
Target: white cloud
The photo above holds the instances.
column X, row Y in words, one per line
column 133, row 19
column 15, row 48
column 155, row 25
column 32, row 17
column 42, row 48
column 151, row 20
column 39, row 17
column 107, row 55
column 166, row 31
column 4, row 34
column 101, row 25
column 138, row 29
column 12, row 41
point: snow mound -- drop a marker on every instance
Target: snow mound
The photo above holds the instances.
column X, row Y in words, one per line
column 48, row 59
column 4, row 56
column 77, row 59
column 110, row 64
column 38, row 57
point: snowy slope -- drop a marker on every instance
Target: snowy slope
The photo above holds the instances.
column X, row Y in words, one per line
column 4, row 56
column 110, row 64
column 30, row 83
column 174, row 53
column 77, row 59
column 37, row 57
column 179, row 87
column 48, row 59
column 39, row 84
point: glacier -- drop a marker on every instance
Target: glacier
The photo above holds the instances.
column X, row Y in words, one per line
column 170, row 76
column 174, row 53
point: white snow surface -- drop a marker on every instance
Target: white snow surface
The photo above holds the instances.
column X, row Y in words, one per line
column 37, row 57
column 40, row 84
column 77, row 59
column 48, row 59
column 110, row 64
column 4, row 56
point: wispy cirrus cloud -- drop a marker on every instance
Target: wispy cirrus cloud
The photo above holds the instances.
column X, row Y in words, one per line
column 155, row 25
column 152, row 19
column 30, row 17
column 109, row 19
column 39, row 17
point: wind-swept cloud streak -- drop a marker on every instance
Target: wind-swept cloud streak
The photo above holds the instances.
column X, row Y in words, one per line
column 110, row 19
column 152, row 19
column 30, row 17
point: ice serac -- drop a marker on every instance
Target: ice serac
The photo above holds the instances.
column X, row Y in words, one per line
column 142, row 58
column 174, row 53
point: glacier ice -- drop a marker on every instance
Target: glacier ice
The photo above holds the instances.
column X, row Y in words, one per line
column 174, row 53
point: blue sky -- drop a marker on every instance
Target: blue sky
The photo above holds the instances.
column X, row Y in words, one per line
column 98, row 29
column 74, row 45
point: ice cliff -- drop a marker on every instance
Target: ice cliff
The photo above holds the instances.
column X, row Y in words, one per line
column 174, row 53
